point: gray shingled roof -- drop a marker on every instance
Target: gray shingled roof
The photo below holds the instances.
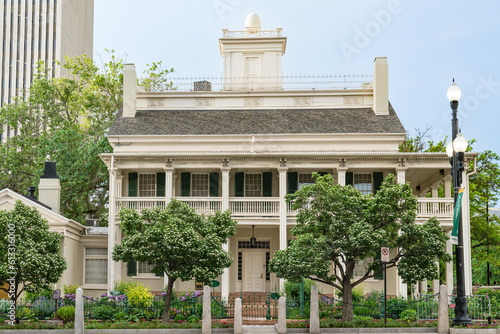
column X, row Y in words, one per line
column 281, row 121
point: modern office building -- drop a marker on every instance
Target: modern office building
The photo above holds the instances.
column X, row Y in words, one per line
column 47, row 30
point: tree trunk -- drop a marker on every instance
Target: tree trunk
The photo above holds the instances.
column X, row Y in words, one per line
column 168, row 300
column 347, row 307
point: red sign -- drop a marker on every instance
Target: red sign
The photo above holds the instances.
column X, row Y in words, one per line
column 385, row 254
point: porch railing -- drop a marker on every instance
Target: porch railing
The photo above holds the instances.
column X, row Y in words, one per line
column 429, row 207
column 267, row 206
column 254, row 205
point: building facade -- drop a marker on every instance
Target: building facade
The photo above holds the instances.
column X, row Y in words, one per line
column 47, row 30
column 245, row 141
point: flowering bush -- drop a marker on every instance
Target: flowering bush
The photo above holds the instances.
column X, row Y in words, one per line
column 66, row 313
column 139, row 296
column 70, row 289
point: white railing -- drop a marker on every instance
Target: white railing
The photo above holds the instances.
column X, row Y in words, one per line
column 255, row 206
column 139, row 203
column 438, row 206
column 203, row 204
column 251, row 34
column 267, row 206
column 282, row 82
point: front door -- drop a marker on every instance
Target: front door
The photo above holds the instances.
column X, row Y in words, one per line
column 253, row 263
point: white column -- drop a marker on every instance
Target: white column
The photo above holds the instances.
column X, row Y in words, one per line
column 401, row 174
column 401, row 288
column 448, row 191
column 119, row 183
column 449, row 265
column 225, row 287
column 466, row 233
column 111, row 223
column 435, row 283
column 225, row 187
column 169, row 187
column 283, row 212
column 435, row 194
column 424, row 286
column 341, row 174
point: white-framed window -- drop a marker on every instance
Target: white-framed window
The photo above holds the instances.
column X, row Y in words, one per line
column 305, row 179
column 147, row 185
column 253, row 185
column 363, row 182
column 96, row 266
column 199, row 185
column 144, row 269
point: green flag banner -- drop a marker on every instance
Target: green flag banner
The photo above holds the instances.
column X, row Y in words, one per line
column 456, row 217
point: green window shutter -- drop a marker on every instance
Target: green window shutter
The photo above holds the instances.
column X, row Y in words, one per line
column 132, row 184
column 293, row 182
column 131, row 268
column 214, row 185
column 378, row 178
column 185, row 184
column 239, row 184
column 381, row 274
column 349, row 178
column 322, row 173
column 267, row 184
column 160, row 184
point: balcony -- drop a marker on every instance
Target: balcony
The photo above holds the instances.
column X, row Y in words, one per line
column 268, row 207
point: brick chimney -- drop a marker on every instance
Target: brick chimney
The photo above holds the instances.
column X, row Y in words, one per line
column 49, row 190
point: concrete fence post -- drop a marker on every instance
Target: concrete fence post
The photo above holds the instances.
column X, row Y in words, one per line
column 314, row 311
column 443, row 318
column 79, row 324
column 282, row 316
column 238, row 317
column 206, row 324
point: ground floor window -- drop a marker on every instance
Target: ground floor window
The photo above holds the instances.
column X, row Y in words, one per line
column 96, row 265
column 144, row 268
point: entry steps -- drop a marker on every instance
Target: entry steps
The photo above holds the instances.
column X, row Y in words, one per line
column 262, row 329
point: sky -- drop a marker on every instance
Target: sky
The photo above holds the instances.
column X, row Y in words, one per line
column 427, row 43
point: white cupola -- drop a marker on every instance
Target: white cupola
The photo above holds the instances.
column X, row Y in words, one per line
column 252, row 57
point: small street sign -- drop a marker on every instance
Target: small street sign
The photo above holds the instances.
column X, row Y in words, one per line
column 385, row 254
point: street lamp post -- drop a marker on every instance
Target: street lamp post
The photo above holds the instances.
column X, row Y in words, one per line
column 455, row 150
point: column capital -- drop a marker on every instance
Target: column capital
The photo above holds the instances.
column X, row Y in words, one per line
column 342, row 169
column 282, row 169
column 225, row 169
column 401, row 169
column 168, row 169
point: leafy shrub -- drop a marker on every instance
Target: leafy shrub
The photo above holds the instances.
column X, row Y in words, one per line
column 357, row 294
column 139, row 295
column 180, row 317
column 408, row 315
column 70, row 289
column 24, row 313
column 47, row 294
column 66, row 313
column 103, row 312
column 292, row 290
column 119, row 316
column 193, row 318
column 123, row 286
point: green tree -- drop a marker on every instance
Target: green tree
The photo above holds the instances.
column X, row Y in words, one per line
column 65, row 119
column 30, row 255
column 485, row 229
column 178, row 242
column 339, row 224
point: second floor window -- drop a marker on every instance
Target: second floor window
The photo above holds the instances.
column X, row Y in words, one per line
column 305, row 179
column 199, row 185
column 253, row 185
column 363, row 182
column 147, row 185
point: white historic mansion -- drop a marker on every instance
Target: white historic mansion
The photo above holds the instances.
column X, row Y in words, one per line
column 244, row 141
